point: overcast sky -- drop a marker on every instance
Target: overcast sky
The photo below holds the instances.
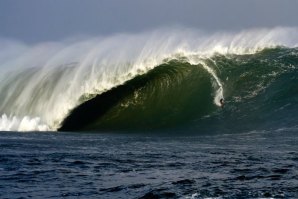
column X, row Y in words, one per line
column 51, row 20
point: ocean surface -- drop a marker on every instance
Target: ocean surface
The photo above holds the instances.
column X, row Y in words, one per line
column 256, row 164
column 139, row 116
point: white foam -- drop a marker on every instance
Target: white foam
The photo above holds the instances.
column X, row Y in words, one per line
column 25, row 124
column 40, row 98
column 219, row 94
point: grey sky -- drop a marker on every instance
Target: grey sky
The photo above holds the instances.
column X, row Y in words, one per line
column 43, row 20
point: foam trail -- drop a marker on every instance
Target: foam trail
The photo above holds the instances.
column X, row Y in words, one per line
column 219, row 92
column 47, row 80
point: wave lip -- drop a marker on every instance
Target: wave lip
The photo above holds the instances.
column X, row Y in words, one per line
column 163, row 97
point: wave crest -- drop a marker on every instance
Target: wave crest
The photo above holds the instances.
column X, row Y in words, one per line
column 48, row 80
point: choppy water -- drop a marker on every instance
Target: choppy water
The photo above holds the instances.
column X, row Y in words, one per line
column 257, row 164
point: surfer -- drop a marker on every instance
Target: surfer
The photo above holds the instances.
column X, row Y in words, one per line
column 222, row 103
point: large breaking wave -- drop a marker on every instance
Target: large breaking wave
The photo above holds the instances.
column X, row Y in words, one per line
column 155, row 80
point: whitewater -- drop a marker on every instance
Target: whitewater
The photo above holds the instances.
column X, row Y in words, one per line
column 40, row 84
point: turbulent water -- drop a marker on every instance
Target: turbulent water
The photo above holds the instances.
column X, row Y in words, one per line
column 153, row 100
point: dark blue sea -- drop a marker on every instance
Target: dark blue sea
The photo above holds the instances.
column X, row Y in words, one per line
column 256, row 164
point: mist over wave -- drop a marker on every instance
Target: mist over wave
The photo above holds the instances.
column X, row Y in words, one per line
column 41, row 84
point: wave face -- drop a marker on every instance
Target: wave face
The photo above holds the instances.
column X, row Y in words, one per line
column 162, row 80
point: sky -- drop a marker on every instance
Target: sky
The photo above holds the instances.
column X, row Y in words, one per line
column 35, row 21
